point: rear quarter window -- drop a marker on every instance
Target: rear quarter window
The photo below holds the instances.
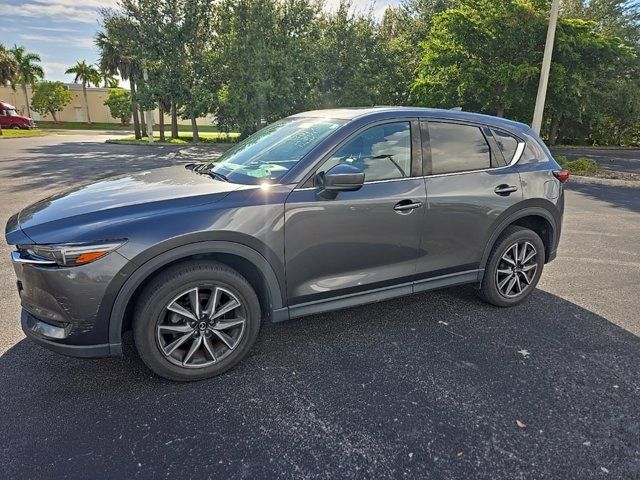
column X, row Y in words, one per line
column 507, row 143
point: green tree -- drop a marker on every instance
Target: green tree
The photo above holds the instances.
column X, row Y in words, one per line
column 484, row 56
column 589, row 71
column 8, row 68
column 50, row 97
column 119, row 103
column 350, row 59
column 29, row 71
column 85, row 74
column 118, row 46
column 399, row 34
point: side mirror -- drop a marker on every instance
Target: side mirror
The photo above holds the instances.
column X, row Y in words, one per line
column 341, row 178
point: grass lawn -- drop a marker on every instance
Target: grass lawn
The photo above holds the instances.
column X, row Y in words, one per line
column 114, row 126
column 11, row 133
column 184, row 138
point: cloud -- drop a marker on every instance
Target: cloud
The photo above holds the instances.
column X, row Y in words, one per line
column 81, row 42
column 376, row 7
column 52, row 10
column 51, row 29
column 54, row 69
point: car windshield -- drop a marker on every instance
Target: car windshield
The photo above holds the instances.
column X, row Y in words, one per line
column 271, row 152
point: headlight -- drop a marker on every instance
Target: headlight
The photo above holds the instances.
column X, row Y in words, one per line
column 69, row 254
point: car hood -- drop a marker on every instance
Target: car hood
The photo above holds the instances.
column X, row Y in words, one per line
column 133, row 194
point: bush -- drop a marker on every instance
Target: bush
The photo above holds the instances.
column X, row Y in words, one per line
column 119, row 103
column 50, row 97
column 581, row 166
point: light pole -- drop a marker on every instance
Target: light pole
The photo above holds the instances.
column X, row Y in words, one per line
column 149, row 113
column 546, row 66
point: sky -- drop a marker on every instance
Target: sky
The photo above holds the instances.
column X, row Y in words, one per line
column 62, row 31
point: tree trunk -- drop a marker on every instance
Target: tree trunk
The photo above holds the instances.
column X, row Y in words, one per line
column 194, row 128
column 134, row 108
column 53, row 114
column 161, row 121
column 26, row 99
column 143, row 125
column 86, row 102
column 553, row 132
column 174, row 120
column 500, row 109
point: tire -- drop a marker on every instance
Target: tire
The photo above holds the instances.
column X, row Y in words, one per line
column 15, row 127
column 499, row 274
column 165, row 335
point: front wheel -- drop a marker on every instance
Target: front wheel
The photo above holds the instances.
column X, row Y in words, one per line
column 196, row 320
column 514, row 267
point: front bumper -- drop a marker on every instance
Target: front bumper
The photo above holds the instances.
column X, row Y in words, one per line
column 67, row 310
column 49, row 335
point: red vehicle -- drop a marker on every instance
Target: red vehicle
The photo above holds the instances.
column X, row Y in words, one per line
column 10, row 118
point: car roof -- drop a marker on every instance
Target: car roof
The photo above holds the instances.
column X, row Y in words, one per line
column 389, row 112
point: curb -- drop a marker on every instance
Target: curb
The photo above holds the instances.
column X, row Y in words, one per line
column 160, row 144
column 611, row 182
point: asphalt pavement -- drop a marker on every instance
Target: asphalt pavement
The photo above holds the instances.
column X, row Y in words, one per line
column 619, row 160
column 436, row 385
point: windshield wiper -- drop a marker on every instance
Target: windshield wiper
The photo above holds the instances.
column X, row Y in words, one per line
column 216, row 175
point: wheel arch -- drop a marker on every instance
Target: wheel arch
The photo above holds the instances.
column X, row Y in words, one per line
column 538, row 219
column 246, row 260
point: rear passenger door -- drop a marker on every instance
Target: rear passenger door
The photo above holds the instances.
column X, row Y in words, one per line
column 469, row 184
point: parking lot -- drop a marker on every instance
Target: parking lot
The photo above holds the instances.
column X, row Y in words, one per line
column 437, row 385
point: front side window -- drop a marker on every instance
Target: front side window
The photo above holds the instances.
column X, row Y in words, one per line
column 382, row 152
column 457, row 148
column 271, row 152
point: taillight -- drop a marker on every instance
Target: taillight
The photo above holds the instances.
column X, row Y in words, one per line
column 562, row 175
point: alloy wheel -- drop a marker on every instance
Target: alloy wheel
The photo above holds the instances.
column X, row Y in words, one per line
column 201, row 326
column 517, row 269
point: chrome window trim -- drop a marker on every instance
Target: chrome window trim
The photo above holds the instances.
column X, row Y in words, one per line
column 302, row 189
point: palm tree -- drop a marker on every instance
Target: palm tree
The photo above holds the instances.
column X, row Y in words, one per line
column 114, row 45
column 107, row 78
column 29, row 72
column 85, row 74
column 8, row 69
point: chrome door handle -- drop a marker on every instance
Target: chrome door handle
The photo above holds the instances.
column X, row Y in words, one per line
column 406, row 206
column 505, row 190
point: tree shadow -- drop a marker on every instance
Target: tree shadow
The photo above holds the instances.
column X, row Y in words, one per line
column 620, row 197
column 72, row 162
column 426, row 386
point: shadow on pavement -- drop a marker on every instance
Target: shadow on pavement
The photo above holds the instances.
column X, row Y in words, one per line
column 621, row 197
column 428, row 386
column 73, row 162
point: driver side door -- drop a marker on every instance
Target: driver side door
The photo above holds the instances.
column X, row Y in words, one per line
column 360, row 244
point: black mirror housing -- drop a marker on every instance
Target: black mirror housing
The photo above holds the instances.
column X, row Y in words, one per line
column 341, row 178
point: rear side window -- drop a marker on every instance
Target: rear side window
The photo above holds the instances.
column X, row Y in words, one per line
column 507, row 143
column 457, row 148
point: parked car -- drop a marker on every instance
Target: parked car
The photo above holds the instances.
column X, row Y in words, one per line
column 319, row 211
column 10, row 118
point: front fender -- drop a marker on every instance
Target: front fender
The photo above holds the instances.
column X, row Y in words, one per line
column 274, row 285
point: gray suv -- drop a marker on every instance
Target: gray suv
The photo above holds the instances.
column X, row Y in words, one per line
column 320, row 211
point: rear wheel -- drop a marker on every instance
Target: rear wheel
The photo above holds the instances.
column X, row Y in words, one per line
column 196, row 320
column 15, row 127
column 514, row 267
